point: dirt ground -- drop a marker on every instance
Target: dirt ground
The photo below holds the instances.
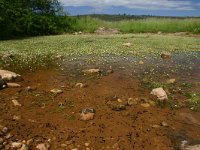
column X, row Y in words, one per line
column 55, row 118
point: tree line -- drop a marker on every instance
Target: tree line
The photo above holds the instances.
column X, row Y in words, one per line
column 32, row 17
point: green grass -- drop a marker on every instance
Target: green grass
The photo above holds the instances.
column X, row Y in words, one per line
column 150, row 25
column 159, row 25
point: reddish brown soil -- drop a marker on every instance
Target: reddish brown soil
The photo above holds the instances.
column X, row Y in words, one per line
column 46, row 116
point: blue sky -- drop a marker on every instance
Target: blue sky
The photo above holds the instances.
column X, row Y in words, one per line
column 133, row 7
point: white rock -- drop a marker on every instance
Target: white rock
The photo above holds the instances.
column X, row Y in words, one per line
column 43, row 146
column 13, row 85
column 16, row 103
column 16, row 145
column 8, row 75
column 160, row 93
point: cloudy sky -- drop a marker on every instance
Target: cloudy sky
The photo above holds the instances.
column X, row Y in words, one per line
column 134, row 7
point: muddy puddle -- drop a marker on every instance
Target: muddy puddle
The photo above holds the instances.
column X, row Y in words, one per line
column 126, row 115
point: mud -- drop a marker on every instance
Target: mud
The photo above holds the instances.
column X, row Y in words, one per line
column 47, row 116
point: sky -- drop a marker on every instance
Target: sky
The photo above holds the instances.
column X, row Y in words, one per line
column 133, row 7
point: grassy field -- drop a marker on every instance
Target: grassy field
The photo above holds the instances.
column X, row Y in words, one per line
column 39, row 50
column 151, row 25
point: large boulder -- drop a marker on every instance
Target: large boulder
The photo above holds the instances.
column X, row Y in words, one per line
column 8, row 75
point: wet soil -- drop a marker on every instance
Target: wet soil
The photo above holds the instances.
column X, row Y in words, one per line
column 47, row 116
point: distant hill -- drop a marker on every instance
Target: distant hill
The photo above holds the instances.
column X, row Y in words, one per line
column 120, row 17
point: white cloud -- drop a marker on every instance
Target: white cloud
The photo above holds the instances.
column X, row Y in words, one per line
column 134, row 4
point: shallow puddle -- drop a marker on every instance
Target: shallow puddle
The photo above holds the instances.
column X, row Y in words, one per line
column 55, row 118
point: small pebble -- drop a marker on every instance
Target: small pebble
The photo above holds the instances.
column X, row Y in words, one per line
column 155, row 126
column 164, row 124
column 5, row 130
column 87, row 144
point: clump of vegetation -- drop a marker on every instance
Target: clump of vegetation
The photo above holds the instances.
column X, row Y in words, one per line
column 194, row 101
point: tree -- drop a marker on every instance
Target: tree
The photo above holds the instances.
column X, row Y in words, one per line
column 31, row 17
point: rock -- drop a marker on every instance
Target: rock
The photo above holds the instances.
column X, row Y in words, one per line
column 4, row 129
column 131, row 101
column 80, row 85
column 56, row 91
column 160, row 93
column 164, row 124
column 171, row 81
column 80, row 32
column 87, row 114
column 16, row 145
column 91, row 71
column 119, row 100
column 86, row 117
column 127, row 44
column 145, row 105
column 8, row 75
column 141, row 62
column 43, row 146
column 155, row 126
column 63, row 145
column 24, row 147
column 16, row 103
column 188, row 118
column 13, row 85
column 16, row 118
column 29, row 88
column 87, row 144
column 166, row 55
